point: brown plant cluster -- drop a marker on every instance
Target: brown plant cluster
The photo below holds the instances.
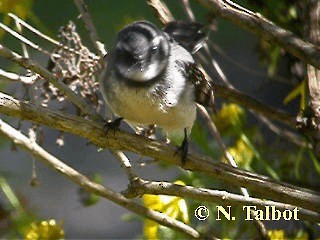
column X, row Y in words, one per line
column 76, row 66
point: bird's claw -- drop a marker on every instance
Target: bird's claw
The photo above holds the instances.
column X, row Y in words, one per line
column 112, row 125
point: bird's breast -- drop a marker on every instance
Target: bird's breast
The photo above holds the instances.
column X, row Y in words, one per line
column 170, row 107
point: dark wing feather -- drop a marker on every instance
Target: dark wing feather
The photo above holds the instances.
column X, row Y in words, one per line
column 204, row 87
column 187, row 34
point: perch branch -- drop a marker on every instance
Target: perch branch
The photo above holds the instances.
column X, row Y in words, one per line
column 94, row 131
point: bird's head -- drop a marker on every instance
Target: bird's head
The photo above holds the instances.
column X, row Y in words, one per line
column 141, row 51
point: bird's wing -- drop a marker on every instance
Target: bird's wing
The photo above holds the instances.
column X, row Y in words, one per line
column 204, row 88
column 187, row 34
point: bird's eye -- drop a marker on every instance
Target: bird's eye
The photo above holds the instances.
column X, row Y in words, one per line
column 154, row 49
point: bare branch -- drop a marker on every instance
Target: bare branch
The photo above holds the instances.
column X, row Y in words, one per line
column 251, row 103
column 140, row 187
column 94, row 131
column 312, row 14
column 188, row 10
column 215, row 133
column 42, row 35
column 125, row 164
column 15, row 77
column 266, row 29
column 23, row 39
column 34, row 30
column 33, row 148
column 162, row 11
column 88, row 22
column 284, row 133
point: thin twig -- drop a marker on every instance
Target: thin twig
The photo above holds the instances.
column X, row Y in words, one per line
column 44, row 36
column 240, row 98
column 188, row 10
column 15, row 77
column 161, row 10
column 240, row 65
column 286, row 134
column 34, row 30
column 125, row 164
column 88, row 22
column 215, row 133
column 33, row 148
column 23, row 39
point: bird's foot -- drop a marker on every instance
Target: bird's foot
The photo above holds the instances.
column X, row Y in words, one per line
column 112, row 125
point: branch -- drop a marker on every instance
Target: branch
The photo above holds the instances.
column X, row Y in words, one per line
column 15, row 77
column 42, row 35
column 284, row 133
column 312, row 13
column 140, row 187
column 215, row 133
column 23, row 40
column 161, row 10
column 125, row 164
column 33, row 148
column 93, row 33
column 94, row 131
column 257, row 24
column 251, row 103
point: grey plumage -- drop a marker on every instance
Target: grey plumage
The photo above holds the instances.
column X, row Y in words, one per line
column 146, row 80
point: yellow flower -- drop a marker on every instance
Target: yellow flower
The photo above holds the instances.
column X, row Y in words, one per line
column 230, row 115
column 48, row 230
column 174, row 207
column 241, row 152
column 276, row 234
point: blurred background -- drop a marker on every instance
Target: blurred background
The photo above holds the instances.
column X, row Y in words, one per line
column 262, row 71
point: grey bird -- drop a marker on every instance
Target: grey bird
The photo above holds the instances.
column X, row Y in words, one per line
column 151, row 77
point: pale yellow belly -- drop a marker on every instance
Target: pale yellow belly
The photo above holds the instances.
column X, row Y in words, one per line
column 139, row 107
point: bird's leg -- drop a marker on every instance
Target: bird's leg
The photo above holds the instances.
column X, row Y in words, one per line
column 184, row 147
column 113, row 125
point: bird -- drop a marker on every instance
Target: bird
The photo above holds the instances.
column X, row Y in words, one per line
column 151, row 78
